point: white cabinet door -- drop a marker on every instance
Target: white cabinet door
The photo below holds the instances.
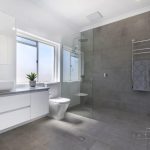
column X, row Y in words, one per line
column 13, row 102
column 3, row 50
column 14, row 118
column 39, row 104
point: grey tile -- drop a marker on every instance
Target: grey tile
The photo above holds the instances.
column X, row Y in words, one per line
column 115, row 130
column 101, row 146
column 111, row 53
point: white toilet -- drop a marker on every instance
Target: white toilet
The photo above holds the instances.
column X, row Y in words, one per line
column 58, row 107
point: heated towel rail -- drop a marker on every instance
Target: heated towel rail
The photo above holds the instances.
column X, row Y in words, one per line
column 140, row 52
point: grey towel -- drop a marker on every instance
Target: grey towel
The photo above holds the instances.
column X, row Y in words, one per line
column 141, row 75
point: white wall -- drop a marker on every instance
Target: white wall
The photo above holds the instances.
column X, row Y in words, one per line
column 7, row 47
column 36, row 19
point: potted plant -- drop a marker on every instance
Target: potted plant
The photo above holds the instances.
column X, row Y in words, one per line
column 32, row 76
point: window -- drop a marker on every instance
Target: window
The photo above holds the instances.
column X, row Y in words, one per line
column 66, row 65
column 46, row 63
column 74, row 68
column 35, row 56
column 71, row 63
column 26, row 58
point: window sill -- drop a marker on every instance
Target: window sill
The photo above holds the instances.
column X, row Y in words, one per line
column 51, row 83
column 43, row 84
column 71, row 81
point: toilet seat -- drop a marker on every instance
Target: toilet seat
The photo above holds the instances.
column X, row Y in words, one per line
column 60, row 100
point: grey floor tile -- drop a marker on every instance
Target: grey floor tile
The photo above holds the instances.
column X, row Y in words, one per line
column 100, row 146
column 115, row 130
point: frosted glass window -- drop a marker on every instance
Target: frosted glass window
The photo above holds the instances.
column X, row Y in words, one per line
column 66, row 65
column 46, row 63
column 74, row 68
column 26, row 61
column 37, row 57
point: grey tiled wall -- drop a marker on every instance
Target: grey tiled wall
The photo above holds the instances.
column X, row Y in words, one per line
column 108, row 50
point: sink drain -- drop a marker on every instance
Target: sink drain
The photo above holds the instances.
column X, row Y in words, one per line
column 81, row 138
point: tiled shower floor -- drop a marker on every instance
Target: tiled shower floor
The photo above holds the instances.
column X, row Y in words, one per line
column 115, row 130
column 85, row 111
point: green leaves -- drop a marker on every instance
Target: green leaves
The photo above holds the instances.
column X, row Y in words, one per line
column 32, row 76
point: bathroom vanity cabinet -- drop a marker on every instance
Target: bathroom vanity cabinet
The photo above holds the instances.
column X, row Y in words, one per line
column 20, row 108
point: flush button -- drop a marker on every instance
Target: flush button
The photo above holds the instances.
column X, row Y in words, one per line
column 105, row 75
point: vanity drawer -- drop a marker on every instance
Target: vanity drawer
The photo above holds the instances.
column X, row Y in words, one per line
column 13, row 102
column 13, row 118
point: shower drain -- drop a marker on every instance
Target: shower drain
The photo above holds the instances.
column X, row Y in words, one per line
column 82, row 139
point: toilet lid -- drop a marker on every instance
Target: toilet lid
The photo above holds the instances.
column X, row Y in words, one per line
column 60, row 100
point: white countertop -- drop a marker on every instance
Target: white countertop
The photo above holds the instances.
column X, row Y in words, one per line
column 23, row 90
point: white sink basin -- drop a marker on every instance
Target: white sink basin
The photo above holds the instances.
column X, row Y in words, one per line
column 6, row 85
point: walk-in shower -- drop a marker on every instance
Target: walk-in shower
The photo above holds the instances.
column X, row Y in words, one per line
column 113, row 71
column 77, row 79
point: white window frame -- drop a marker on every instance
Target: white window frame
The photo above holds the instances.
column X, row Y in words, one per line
column 56, row 46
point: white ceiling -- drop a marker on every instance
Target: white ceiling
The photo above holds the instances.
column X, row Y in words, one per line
column 55, row 19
